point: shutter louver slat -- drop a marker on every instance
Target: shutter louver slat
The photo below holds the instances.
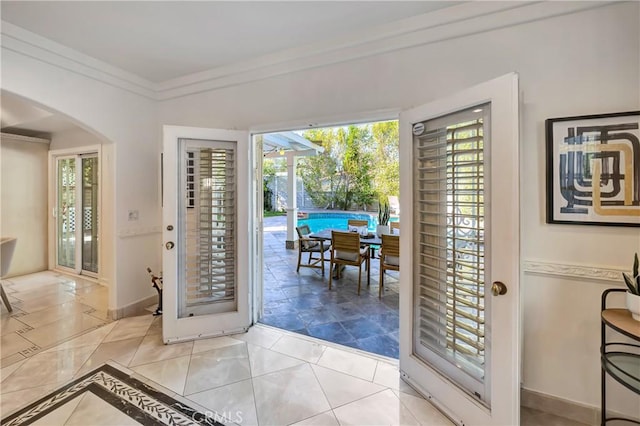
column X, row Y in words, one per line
column 211, row 245
column 449, row 244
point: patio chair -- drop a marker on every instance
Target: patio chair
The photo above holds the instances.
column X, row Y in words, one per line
column 311, row 246
column 7, row 247
column 346, row 251
column 394, row 204
column 389, row 257
column 394, row 225
column 357, row 222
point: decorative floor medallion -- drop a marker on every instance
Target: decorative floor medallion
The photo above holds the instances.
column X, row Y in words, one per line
column 132, row 397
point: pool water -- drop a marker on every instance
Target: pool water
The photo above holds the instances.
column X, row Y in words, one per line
column 319, row 221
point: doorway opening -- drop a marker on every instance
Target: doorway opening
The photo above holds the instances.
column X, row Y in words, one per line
column 316, row 181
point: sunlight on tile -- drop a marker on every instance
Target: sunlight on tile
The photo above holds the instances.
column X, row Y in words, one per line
column 299, row 348
column 341, row 388
column 383, row 408
column 234, row 401
column 279, row 399
column 261, row 336
column 217, row 367
column 171, row 373
column 349, row 363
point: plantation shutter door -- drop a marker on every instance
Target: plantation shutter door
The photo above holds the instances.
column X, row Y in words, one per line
column 210, row 224
column 449, row 248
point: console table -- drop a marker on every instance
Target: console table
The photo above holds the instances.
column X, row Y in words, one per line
column 617, row 359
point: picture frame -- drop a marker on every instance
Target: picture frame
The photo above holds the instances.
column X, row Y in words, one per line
column 584, row 149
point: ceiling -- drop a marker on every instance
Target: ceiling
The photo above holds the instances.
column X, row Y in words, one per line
column 163, row 40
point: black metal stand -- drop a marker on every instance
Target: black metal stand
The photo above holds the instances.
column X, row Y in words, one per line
column 611, row 354
column 157, row 284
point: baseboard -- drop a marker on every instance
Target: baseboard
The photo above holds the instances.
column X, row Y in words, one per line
column 134, row 309
column 560, row 407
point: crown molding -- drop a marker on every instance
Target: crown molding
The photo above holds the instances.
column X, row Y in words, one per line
column 445, row 24
column 32, row 45
column 566, row 270
column 22, row 138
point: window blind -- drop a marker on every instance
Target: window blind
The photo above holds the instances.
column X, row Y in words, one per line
column 211, row 233
column 449, row 256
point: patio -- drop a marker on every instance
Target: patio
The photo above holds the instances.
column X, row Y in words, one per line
column 302, row 303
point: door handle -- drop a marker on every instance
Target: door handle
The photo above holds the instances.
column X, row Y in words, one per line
column 169, row 245
column 498, row 288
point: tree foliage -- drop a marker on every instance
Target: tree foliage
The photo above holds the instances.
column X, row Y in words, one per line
column 359, row 164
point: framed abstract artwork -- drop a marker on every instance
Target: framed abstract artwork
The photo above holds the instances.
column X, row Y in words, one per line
column 593, row 169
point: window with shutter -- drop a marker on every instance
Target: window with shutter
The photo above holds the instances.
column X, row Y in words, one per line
column 210, row 230
column 449, row 221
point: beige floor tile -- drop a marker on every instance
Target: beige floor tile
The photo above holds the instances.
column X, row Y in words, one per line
column 171, row 373
column 10, row 368
column 120, row 351
column 531, row 417
column 152, row 349
column 100, row 412
column 54, row 313
column 215, row 343
column 156, row 326
column 265, row 361
column 217, row 368
column 260, row 336
column 91, row 338
column 299, row 348
column 288, row 396
column 44, row 302
column 12, row 401
column 12, row 359
column 13, row 343
column 383, row 408
column 37, row 280
column 63, row 329
column 350, row 363
column 97, row 296
column 423, row 410
column 11, row 325
column 341, row 388
column 234, row 401
column 128, row 328
column 387, row 375
column 47, row 368
column 60, row 415
column 322, row 419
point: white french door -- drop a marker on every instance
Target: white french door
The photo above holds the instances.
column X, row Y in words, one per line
column 76, row 211
column 206, row 282
column 459, row 343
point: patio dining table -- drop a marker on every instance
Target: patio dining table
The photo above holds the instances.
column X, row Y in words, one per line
column 371, row 240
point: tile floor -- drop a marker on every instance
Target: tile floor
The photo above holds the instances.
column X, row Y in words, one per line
column 302, row 303
column 264, row 377
column 48, row 308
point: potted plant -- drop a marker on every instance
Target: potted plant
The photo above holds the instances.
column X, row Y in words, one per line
column 383, row 219
column 633, row 290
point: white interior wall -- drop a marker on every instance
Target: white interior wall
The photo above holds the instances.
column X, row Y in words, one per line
column 23, row 202
column 74, row 137
column 583, row 63
column 127, row 125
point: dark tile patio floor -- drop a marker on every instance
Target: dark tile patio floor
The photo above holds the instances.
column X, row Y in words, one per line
column 302, row 303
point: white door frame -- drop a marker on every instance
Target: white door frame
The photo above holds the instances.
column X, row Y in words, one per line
column 505, row 370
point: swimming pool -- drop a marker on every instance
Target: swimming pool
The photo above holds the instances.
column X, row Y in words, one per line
column 319, row 221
